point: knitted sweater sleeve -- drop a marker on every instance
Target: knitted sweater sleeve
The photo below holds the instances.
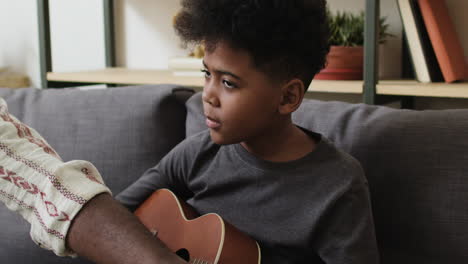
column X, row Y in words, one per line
column 37, row 184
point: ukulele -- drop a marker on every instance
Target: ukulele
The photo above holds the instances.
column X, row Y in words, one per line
column 206, row 239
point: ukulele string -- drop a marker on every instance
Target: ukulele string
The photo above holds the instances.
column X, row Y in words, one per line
column 199, row 261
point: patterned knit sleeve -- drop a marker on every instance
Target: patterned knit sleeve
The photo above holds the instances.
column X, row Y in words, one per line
column 36, row 183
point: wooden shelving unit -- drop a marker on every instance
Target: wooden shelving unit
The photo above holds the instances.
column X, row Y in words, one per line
column 349, row 87
column 125, row 76
column 143, row 76
column 138, row 77
column 414, row 88
column 372, row 90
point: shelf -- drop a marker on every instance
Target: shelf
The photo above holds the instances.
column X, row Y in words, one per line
column 352, row 87
column 125, row 76
column 139, row 77
column 414, row 88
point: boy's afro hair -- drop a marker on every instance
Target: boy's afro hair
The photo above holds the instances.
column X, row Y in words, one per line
column 286, row 38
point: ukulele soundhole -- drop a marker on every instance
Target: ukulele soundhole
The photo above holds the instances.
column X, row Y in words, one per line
column 183, row 253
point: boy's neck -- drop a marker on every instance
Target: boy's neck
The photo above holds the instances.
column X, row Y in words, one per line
column 288, row 143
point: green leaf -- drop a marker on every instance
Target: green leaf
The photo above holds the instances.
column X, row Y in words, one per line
column 347, row 29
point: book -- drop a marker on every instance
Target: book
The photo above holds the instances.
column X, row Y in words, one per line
column 444, row 39
column 420, row 48
column 428, row 50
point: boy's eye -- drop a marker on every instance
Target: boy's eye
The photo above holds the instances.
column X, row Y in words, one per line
column 206, row 72
column 229, row 84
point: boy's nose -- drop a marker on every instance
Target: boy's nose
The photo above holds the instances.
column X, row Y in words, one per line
column 210, row 96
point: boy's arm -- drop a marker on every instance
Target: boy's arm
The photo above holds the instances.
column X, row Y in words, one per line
column 169, row 173
column 67, row 202
column 347, row 233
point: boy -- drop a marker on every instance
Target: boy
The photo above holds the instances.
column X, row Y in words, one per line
column 290, row 189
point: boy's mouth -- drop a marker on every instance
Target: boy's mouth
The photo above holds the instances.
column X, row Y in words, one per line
column 212, row 123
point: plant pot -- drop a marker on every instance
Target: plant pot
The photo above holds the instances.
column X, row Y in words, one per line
column 343, row 63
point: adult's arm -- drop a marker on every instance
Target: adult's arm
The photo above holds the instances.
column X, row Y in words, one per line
column 67, row 203
column 106, row 232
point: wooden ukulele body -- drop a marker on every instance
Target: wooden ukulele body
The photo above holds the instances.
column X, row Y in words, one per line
column 206, row 239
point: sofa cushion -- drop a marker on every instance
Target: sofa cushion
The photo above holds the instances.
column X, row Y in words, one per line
column 417, row 166
column 122, row 131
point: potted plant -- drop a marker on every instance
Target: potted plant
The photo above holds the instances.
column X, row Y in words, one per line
column 345, row 59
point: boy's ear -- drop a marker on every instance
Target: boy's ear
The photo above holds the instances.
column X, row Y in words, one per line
column 292, row 94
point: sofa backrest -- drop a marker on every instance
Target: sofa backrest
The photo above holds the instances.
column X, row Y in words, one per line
column 416, row 163
column 122, row 131
column 417, row 166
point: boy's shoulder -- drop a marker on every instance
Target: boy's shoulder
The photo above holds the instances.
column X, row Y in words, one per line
column 341, row 165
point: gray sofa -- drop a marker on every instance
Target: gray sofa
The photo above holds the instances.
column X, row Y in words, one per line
column 416, row 161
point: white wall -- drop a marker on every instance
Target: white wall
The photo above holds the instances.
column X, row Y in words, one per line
column 19, row 38
column 145, row 38
column 77, row 35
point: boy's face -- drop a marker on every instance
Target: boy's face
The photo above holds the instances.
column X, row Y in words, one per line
column 240, row 102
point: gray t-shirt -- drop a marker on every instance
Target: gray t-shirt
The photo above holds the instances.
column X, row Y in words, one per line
column 312, row 210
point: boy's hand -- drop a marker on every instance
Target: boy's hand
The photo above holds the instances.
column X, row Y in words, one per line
column 106, row 232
